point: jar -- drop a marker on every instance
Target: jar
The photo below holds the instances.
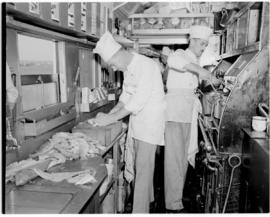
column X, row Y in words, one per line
column 259, row 123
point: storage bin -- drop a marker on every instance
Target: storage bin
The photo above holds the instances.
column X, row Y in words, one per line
column 105, row 135
column 36, row 128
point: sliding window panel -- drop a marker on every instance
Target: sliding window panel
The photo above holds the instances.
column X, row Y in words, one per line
column 61, row 53
column 32, row 97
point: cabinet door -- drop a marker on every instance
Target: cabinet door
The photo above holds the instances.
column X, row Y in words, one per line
column 259, row 184
column 86, row 71
column 242, row 31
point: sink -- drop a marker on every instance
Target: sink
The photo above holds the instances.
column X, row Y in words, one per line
column 26, row 201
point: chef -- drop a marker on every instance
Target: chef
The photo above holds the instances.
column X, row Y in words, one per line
column 143, row 99
column 183, row 107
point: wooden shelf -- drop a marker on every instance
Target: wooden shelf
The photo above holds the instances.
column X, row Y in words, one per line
column 247, row 49
column 37, row 128
column 48, row 25
column 241, row 12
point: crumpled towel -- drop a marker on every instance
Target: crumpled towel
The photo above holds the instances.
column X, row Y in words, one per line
column 78, row 178
column 129, row 171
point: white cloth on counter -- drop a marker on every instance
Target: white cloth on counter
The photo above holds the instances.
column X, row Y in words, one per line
column 78, row 177
column 12, row 92
column 144, row 97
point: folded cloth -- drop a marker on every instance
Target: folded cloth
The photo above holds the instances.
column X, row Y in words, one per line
column 193, row 143
column 129, row 172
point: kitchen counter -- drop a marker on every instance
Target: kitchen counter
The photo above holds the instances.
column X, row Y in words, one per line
column 260, row 138
column 43, row 196
column 255, row 172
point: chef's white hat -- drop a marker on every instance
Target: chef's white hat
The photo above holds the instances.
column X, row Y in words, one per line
column 202, row 32
column 166, row 51
column 106, row 47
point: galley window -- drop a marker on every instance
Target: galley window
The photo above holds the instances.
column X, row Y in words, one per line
column 38, row 71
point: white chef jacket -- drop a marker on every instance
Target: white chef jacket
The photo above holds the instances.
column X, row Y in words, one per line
column 182, row 104
column 144, row 97
column 12, row 92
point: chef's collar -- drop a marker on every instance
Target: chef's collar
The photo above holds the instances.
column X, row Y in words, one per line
column 132, row 62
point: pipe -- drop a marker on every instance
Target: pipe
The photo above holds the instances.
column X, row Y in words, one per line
column 231, row 178
column 208, row 146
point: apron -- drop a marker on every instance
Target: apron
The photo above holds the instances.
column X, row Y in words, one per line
column 184, row 106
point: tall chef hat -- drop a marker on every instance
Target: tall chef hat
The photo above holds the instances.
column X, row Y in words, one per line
column 106, row 47
column 202, row 32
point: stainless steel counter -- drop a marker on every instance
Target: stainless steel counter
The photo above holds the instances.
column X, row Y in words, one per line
column 43, row 196
column 255, row 172
column 260, row 138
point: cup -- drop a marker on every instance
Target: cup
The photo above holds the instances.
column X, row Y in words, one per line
column 259, row 123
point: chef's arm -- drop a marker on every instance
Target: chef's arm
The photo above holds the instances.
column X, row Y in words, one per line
column 119, row 114
column 202, row 73
column 178, row 61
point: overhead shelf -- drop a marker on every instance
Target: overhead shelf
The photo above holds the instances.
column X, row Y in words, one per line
column 182, row 15
column 49, row 25
column 166, row 28
column 160, row 39
column 160, row 31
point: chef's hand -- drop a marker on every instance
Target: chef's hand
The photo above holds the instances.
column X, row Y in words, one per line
column 104, row 120
column 115, row 109
column 100, row 114
column 215, row 81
